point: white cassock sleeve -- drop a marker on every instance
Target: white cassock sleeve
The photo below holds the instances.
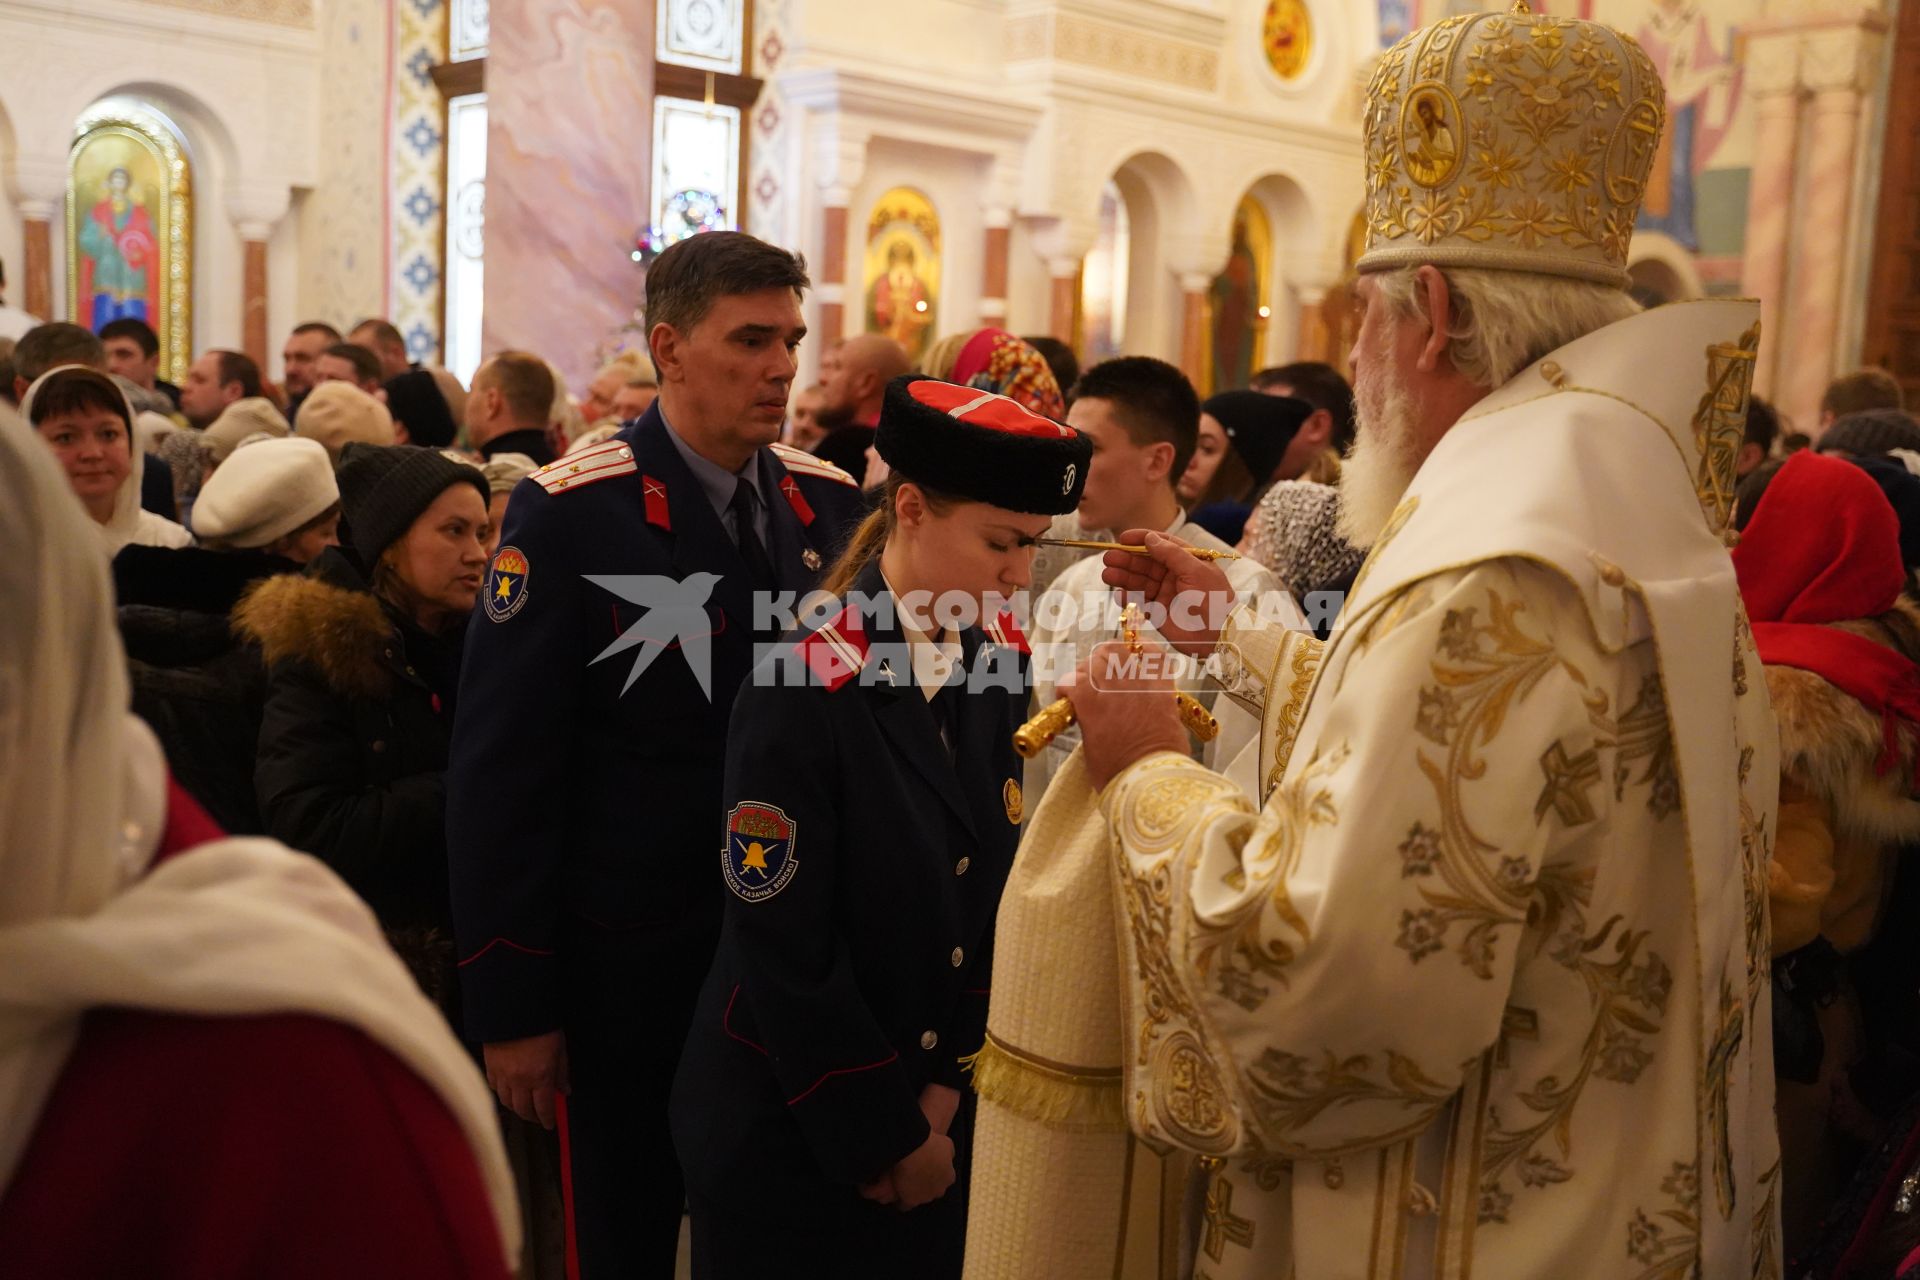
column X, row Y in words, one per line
column 1315, row 976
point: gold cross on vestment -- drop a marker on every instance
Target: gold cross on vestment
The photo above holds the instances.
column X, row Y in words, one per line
column 1223, row 1228
column 1568, row 778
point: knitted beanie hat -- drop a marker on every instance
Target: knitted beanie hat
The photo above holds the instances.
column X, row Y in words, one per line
column 1258, row 426
column 383, row 490
column 1870, row 432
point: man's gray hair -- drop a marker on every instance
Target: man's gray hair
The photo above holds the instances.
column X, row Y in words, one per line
column 1503, row 321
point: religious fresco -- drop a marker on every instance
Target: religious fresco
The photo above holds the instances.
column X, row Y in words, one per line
column 129, row 229
column 1697, row 192
column 1286, row 36
column 902, row 278
column 1237, row 306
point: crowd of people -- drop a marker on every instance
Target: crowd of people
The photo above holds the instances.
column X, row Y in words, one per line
column 369, row 739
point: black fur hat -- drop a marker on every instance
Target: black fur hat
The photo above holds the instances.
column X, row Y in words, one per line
column 975, row 444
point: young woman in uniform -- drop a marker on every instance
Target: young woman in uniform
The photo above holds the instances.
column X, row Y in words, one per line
column 872, row 808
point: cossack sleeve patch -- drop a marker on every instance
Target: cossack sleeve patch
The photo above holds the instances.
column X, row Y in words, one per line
column 758, row 861
column 506, row 588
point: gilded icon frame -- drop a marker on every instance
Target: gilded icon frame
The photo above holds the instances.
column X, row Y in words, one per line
column 160, row 184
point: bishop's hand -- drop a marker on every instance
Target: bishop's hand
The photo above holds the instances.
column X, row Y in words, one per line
column 1188, row 598
column 1124, row 703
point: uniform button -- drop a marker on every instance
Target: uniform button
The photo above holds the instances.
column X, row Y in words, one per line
column 928, row 1040
column 960, row 867
column 379, row 746
column 958, row 956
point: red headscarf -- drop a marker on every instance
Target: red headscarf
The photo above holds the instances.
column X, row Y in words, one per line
column 1824, row 546
column 994, row 360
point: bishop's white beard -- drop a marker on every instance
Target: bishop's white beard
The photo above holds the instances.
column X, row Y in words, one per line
column 1375, row 476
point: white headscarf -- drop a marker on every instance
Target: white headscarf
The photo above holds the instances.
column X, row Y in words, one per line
column 125, row 525
column 235, row 927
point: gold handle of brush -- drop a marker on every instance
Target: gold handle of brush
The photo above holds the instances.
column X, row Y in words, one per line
column 1054, row 719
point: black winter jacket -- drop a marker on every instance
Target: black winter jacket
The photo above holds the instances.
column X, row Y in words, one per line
column 195, row 682
column 353, row 748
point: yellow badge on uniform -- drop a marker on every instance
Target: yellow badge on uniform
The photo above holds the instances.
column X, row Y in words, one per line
column 1011, row 794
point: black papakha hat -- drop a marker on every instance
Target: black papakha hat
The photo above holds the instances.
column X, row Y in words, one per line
column 975, row 444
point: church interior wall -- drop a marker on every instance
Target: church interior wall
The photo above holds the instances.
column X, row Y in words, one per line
column 952, row 181
column 240, row 92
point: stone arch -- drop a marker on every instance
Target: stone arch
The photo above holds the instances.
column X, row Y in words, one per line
column 1160, row 208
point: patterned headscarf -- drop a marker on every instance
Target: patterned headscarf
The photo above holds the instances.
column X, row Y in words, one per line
column 1295, row 534
column 994, row 360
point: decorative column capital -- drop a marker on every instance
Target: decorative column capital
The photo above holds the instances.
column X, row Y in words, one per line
column 1195, row 282
column 256, row 210
column 1773, row 66
column 1840, row 59
column 40, row 185
column 839, row 160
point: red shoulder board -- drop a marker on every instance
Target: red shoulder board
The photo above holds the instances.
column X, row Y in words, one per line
column 656, row 495
column 837, row 651
column 796, row 500
column 589, row 466
column 1003, row 630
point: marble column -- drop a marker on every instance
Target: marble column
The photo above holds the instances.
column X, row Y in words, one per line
column 1064, row 275
column 1311, row 339
column 253, row 297
column 1773, row 81
column 36, row 270
column 1193, row 325
column 996, row 245
column 831, row 282
column 569, row 167
column 1836, row 66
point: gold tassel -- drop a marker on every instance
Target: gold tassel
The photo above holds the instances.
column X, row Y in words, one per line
column 1049, row 1094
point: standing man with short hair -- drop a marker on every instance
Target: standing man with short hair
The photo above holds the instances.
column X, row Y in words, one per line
column 853, row 382
column 299, row 360
column 389, row 347
column 349, row 362
column 133, row 353
column 216, row 380
column 621, row 613
column 1328, row 428
column 509, row 406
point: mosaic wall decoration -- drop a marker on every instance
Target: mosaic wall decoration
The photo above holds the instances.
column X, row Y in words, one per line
column 418, row 168
column 767, row 196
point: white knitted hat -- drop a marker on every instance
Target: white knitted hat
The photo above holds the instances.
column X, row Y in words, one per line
column 265, row 491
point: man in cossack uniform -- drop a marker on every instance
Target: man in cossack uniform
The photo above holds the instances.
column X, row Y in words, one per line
column 619, row 618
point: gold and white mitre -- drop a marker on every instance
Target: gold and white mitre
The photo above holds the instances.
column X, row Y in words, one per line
column 1516, row 141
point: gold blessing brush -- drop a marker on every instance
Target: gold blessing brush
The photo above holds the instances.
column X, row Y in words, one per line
column 1056, row 717
column 1198, row 553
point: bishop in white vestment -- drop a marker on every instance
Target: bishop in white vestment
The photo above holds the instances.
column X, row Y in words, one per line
column 1474, row 981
